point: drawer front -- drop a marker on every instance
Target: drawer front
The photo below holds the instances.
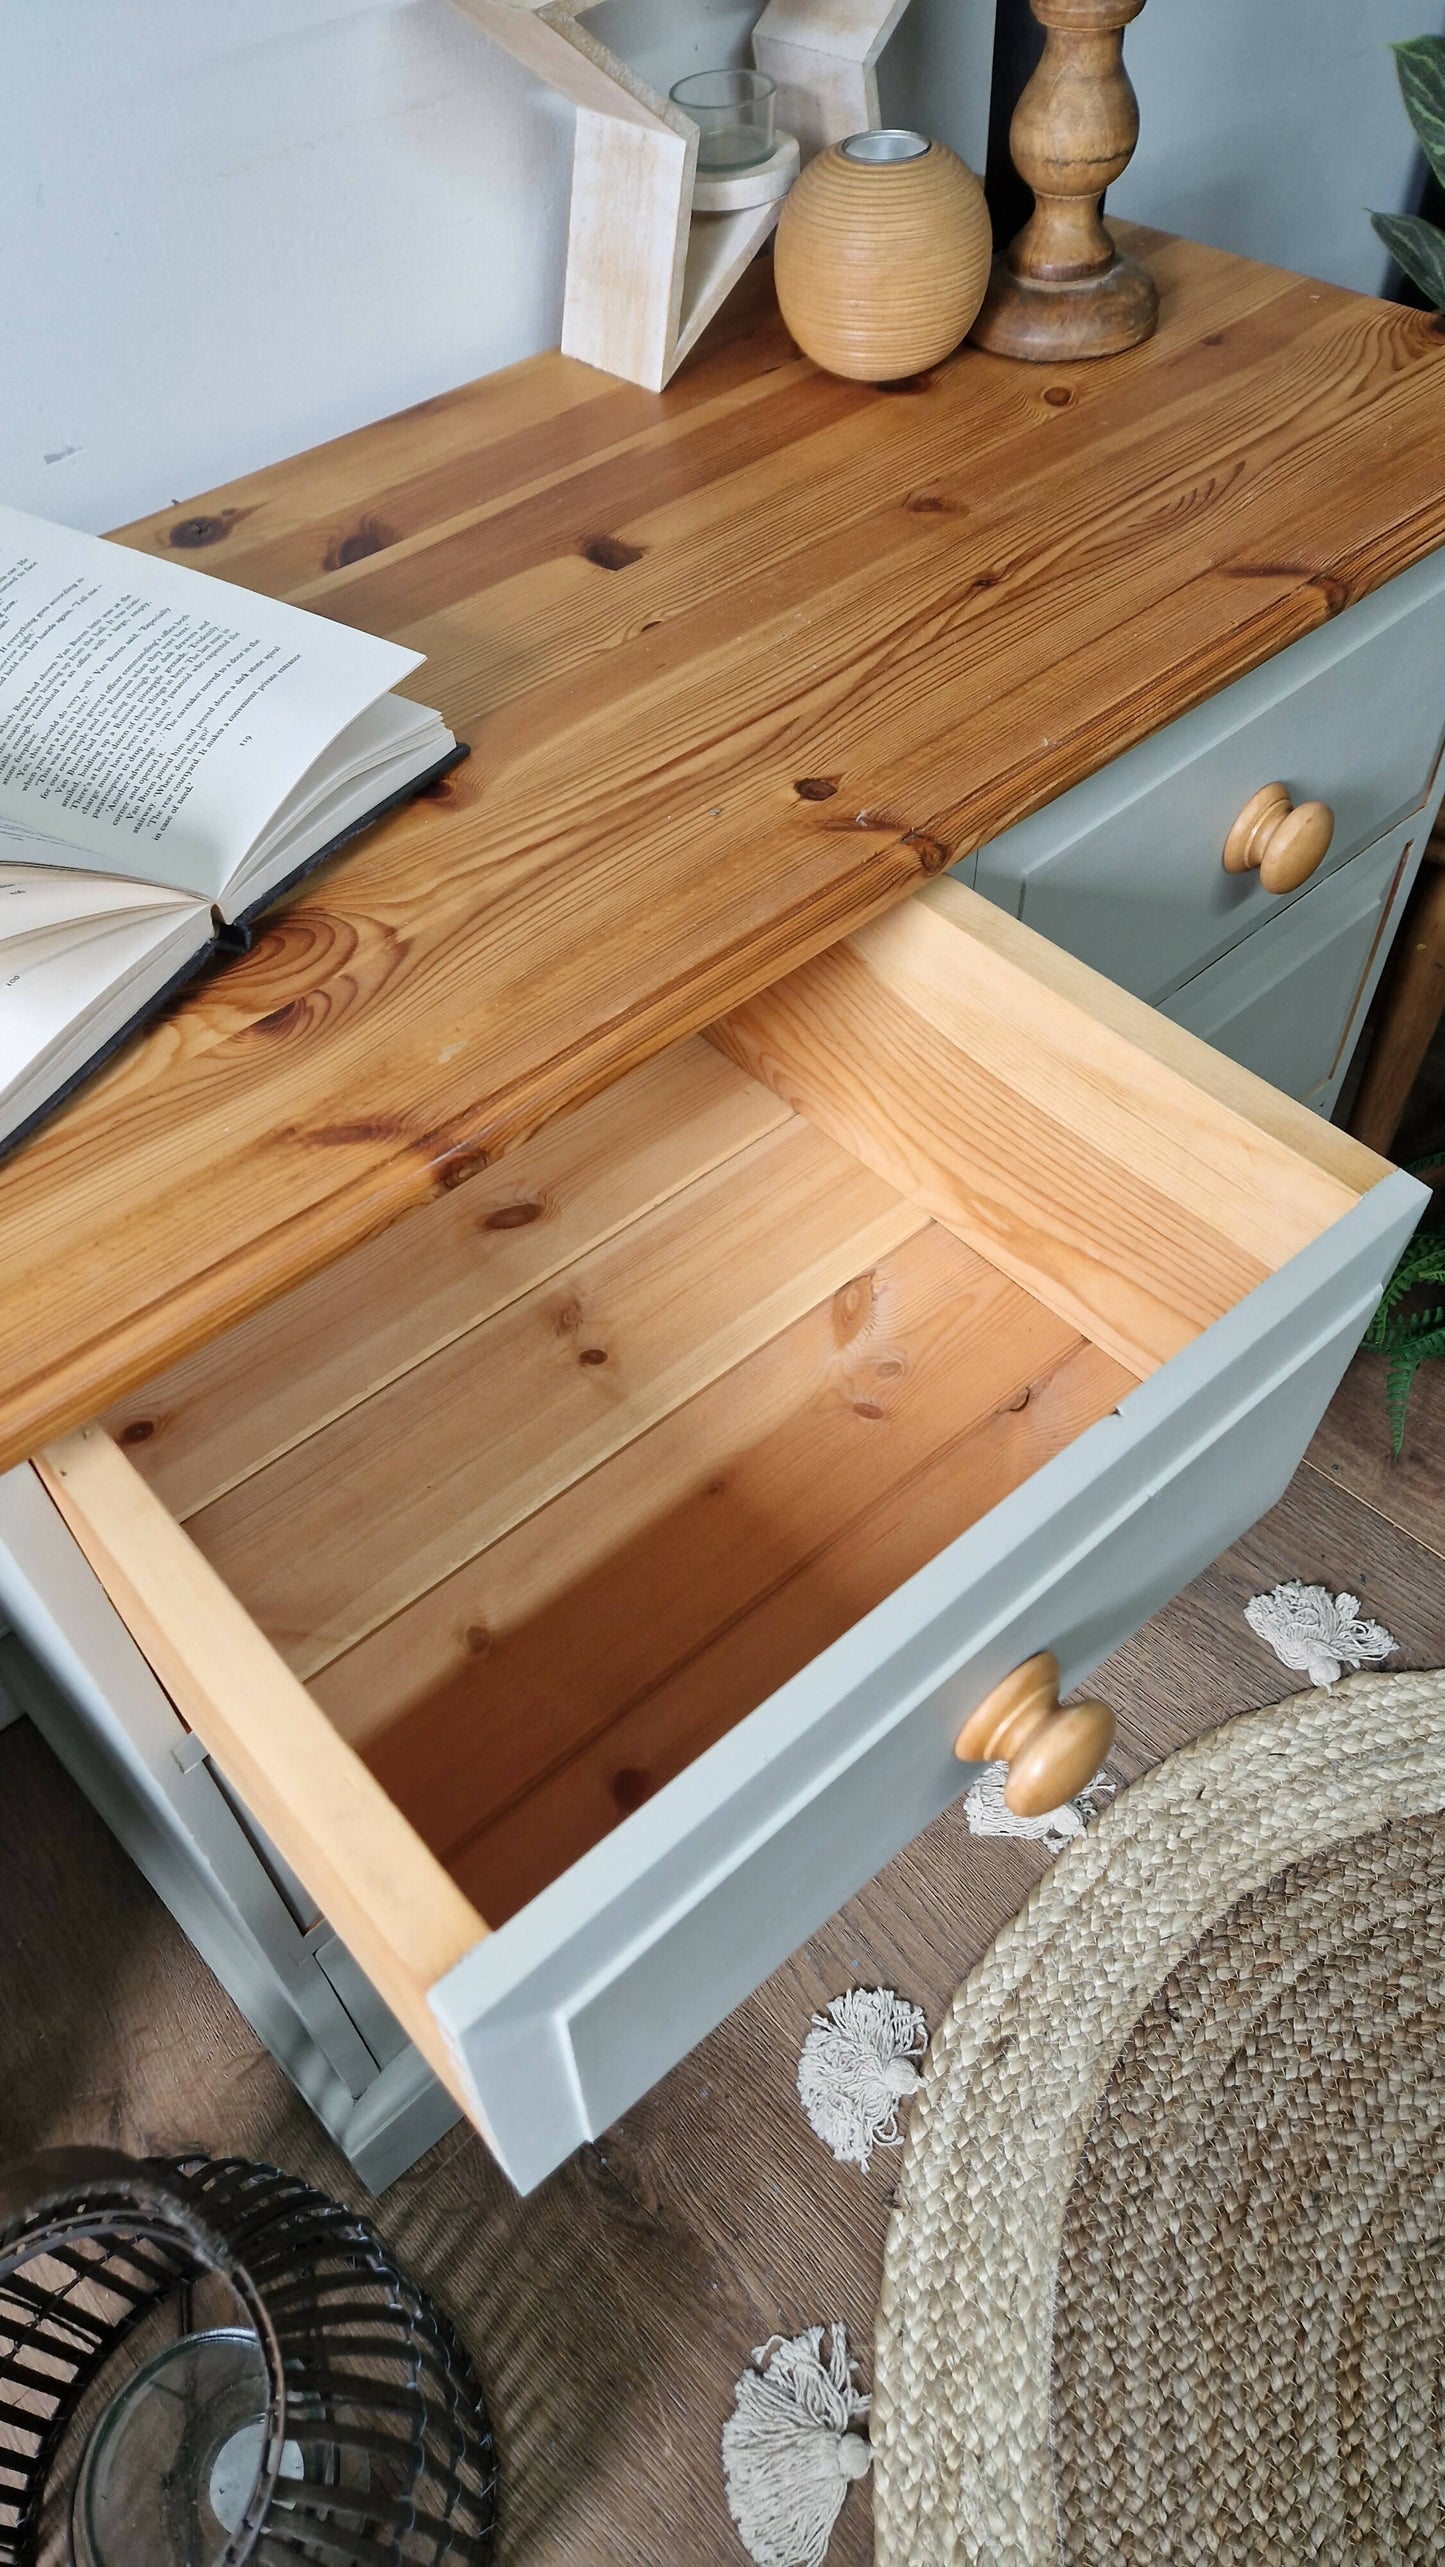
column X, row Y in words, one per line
column 1287, row 1003
column 1126, row 870
column 573, row 2009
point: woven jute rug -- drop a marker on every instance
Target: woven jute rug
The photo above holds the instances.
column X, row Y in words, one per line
column 1165, row 2280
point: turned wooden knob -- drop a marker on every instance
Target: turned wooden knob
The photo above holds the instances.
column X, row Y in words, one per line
column 1051, row 1750
column 1282, row 843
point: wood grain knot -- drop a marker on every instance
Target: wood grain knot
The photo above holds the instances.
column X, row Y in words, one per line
column 931, row 852
column 1059, row 396
column 630, row 1788
column 610, row 552
column 359, row 1135
column 189, row 533
column 282, row 1020
column 512, row 1216
column 368, row 537
column 868, row 1408
column 139, row 1431
column 853, row 1307
column 466, row 1164
column 816, row 788
column 477, row 1640
column 593, row 1355
column 1334, row 591
column 933, row 503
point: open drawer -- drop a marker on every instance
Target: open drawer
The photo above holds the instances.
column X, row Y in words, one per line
column 613, row 1551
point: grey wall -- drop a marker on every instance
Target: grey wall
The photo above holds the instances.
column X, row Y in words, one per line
column 234, row 227
column 1268, row 126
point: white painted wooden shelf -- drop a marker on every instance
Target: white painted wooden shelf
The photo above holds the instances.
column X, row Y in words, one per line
column 645, row 270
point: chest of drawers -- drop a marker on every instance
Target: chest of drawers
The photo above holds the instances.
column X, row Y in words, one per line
column 512, row 1497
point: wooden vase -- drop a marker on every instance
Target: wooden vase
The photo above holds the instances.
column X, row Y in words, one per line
column 1063, row 290
column 882, row 256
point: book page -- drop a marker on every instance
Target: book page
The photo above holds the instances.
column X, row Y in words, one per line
column 152, row 719
column 390, row 740
column 40, row 906
column 63, row 999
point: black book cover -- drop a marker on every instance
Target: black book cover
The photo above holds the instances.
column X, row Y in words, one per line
column 228, row 941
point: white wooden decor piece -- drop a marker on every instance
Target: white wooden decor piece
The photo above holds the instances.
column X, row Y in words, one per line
column 646, row 271
column 823, row 54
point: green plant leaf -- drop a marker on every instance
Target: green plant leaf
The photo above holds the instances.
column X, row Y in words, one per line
column 1421, row 1261
column 1420, row 63
column 1400, row 1379
column 1420, row 250
column 1398, row 1383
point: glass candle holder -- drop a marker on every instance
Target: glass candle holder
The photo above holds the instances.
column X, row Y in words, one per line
column 735, row 114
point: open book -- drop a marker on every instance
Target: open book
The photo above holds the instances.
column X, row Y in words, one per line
column 174, row 752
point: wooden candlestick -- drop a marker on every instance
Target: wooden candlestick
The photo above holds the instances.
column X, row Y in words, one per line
column 1062, row 289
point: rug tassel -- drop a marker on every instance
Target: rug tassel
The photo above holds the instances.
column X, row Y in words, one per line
column 856, row 2068
column 789, row 2454
column 988, row 1814
column 1316, row 1633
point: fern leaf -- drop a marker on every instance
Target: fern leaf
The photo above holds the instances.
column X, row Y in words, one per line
column 1422, row 1259
column 1421, row 1262
column 1398, row 1384
column 1419, row 1323
column 1405, row 1361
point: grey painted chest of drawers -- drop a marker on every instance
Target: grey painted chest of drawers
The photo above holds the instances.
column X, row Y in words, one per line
column 596, row 1983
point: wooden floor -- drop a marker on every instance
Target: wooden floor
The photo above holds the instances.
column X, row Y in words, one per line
column 611, row 2312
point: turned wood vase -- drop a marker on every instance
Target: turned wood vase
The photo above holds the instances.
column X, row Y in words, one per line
column 883, row 255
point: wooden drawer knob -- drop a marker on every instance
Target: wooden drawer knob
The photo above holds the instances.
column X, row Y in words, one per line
column 1050, row 1751
column 1280, row 843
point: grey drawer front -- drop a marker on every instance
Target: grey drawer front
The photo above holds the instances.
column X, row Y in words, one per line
column 576, row 2006
column 1285, row 1003
column 1126, row 872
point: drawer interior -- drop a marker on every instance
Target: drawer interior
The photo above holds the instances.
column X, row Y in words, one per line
column 546, row 1488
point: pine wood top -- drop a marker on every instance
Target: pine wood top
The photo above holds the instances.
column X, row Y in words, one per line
column 740, row 663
